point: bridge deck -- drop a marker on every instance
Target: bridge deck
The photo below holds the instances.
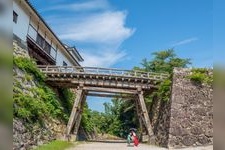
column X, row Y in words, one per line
column 72, row 76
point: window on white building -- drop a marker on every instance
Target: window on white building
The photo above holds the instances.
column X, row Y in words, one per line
column 64, row 63
column 40, row 41
column 47, row 47
column 15, row 17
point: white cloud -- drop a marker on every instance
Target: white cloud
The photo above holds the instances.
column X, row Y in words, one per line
column 103, row 30
column 90, row 5
column 104, row 59
column 106, row 28
column 186, row 41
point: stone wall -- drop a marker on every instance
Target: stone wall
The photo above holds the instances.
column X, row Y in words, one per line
column 191, row 122
column 26, row 134
column 29, row 135
column 160, row 117
column 187, row 119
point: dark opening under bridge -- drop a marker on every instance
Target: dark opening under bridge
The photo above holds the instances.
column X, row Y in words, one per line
column 104, row 82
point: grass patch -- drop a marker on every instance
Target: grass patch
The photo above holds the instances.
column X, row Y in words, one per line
column 55, row 145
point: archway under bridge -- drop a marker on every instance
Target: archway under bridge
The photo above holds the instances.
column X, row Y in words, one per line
column 104, row 82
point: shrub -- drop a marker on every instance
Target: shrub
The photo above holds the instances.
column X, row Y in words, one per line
column 29, row 66
column 200, row 76
column 197, row 77
column 28, row 107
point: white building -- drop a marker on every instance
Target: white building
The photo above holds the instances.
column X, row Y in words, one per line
column 32, row 32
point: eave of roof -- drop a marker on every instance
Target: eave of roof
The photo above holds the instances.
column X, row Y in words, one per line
column 42, row 19
column 75, row 51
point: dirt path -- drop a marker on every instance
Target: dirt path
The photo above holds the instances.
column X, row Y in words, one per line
column 123, row 146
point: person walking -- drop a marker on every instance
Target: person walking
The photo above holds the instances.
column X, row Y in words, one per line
column 135, row 138
column 129, row 138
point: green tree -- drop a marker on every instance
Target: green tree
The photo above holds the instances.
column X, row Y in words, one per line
column 164, row 61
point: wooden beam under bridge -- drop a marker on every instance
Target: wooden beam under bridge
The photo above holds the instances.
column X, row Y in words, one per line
column 110, row 95
column 110, row 90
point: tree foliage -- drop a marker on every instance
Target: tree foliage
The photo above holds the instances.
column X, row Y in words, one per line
column 164, row 61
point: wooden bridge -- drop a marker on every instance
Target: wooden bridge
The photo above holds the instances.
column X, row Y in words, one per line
column 104, row 82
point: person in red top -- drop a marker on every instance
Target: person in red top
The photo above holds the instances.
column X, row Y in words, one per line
column 135, row 138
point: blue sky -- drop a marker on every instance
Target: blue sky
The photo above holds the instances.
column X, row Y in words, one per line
column 120, row 34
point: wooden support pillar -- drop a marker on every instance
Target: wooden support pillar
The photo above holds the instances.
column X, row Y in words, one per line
column 77, row 124
column 78, row 99
column 139, row 117
column 146, row 116
column 78, row 120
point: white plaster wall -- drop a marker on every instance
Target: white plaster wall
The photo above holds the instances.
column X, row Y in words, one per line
column 60, row 58
column 21, row 27
column 34, row 24
column 53, row 53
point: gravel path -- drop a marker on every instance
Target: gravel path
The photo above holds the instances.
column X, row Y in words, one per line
column 123, row 146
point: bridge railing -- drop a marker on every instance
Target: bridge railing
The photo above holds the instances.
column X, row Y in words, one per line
column 102, row 71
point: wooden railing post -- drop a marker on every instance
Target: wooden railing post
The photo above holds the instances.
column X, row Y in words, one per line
column 46, row 68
